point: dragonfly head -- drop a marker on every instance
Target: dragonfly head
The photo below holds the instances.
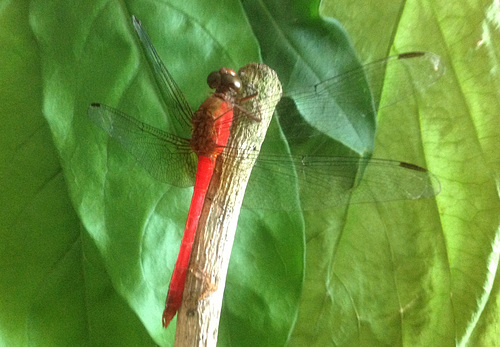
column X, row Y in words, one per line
column 224, row 80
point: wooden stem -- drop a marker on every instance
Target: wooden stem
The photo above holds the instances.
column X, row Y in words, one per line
column 199, row 314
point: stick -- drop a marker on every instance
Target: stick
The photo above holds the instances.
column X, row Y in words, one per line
column 199, row 314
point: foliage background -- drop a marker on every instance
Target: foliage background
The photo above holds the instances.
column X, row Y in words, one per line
column 76, row 270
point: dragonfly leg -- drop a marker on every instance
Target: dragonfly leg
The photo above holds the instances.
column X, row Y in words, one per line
column 246, row 98
column 251, row 115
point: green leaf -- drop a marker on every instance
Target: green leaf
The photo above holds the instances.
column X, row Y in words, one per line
column 419, row 273
column 55, row 289
column 89, row 239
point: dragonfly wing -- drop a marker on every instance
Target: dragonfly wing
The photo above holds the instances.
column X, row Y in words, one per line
column 315, row 183
column 411, row 72
column 388, row 180
column 166, row 157
column 344, row 106
column 173, row 97
column 273, row 186
column 326, row 113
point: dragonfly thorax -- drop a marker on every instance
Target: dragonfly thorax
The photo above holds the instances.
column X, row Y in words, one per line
column 211, row 126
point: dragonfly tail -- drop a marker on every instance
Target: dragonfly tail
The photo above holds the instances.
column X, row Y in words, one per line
column 168, row 314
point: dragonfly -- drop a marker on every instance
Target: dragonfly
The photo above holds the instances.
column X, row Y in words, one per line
column 322, row 180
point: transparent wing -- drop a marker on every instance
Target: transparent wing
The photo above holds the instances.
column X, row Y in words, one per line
column 278, row 182
column 315, row 183
column 173, row 97
column 344, row 107
column 411, row 72
column 166, row 157
column 311, row 120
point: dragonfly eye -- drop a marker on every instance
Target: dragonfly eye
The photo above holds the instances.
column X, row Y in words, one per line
column 213, row 79
column 229, row 81
column 224, row 80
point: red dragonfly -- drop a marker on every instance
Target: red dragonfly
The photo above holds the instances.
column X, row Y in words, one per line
column 323, row 180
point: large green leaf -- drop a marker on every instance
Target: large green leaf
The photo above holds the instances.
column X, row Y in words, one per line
column 89, row 239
